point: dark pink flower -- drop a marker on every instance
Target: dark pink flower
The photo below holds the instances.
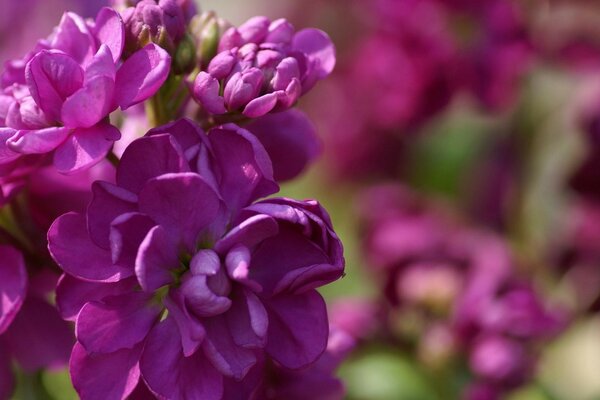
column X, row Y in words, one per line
column 175, row 269
column 71, row 87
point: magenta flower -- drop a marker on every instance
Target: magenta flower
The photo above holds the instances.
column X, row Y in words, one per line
column 70, row 89
column 462, row 278
column 176, row 276
column 263, row 66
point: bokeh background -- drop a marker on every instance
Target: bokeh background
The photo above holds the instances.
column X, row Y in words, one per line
column 493, row 116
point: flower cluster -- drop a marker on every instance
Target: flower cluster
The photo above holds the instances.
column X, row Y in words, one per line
column 59, row 101
column 462, row 284
column 181, row 280
column 263, row 66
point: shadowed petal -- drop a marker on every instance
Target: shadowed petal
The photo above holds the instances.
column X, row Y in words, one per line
column 149, row 157
column 111, row 376
column 171, row 375
column 184, row 204
column 38, row 337
column 73, row 250
column 116, row 323
column 72, row 293
column 289, row 341
column 290, row 139
column 13, row 285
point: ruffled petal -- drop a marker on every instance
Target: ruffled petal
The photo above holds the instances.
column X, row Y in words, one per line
column 244, row 168
column 90, row 104
column 108, row 202
column 110, row 30
column 13, row 285
column 220, row 348
column 73, row 250
column 184, row 204
column 147, row 158
column 111, row 376
column 158, row 254
column 38, row 142
column 115, row 323
column 298, row 329
column 52, row 77
column 141, row 75
column 85, row 147
column 171, row 375
column 72, row 293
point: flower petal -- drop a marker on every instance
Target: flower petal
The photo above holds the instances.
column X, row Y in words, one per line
column 52, row 77
column 110, row 30
column 108, row 202
column 90, row 104
column 74, row 38
column 171, row 375
column 85, row 147
column 244, row 168
column 115, row 323
column 141, row 75
column 184, row 204
column 38, row 337
column 73, row 250
column 39, row 141
column 158, row 254
column 319, row 48
column 72, row 293
column 149, row 157
column 13, row 285
column 292, row 148
column 220, row 348
column 298, row 329
column 111, row 376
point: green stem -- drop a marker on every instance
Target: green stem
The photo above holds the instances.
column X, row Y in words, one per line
column 31, row 387
column 9, row 223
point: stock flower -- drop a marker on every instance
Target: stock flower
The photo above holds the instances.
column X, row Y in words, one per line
column 461, row 277
column 71, row 86
column 175, row 274
column 263, row 66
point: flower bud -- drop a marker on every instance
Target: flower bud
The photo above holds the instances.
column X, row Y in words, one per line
column 185, row 56
column 289, row 64
column 161, row 22
column 207, row 29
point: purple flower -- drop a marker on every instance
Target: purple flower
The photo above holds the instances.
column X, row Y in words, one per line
column 460, row 278
column 176, row 275
column 263, row 66
column 70, row 89
column 162, row 22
